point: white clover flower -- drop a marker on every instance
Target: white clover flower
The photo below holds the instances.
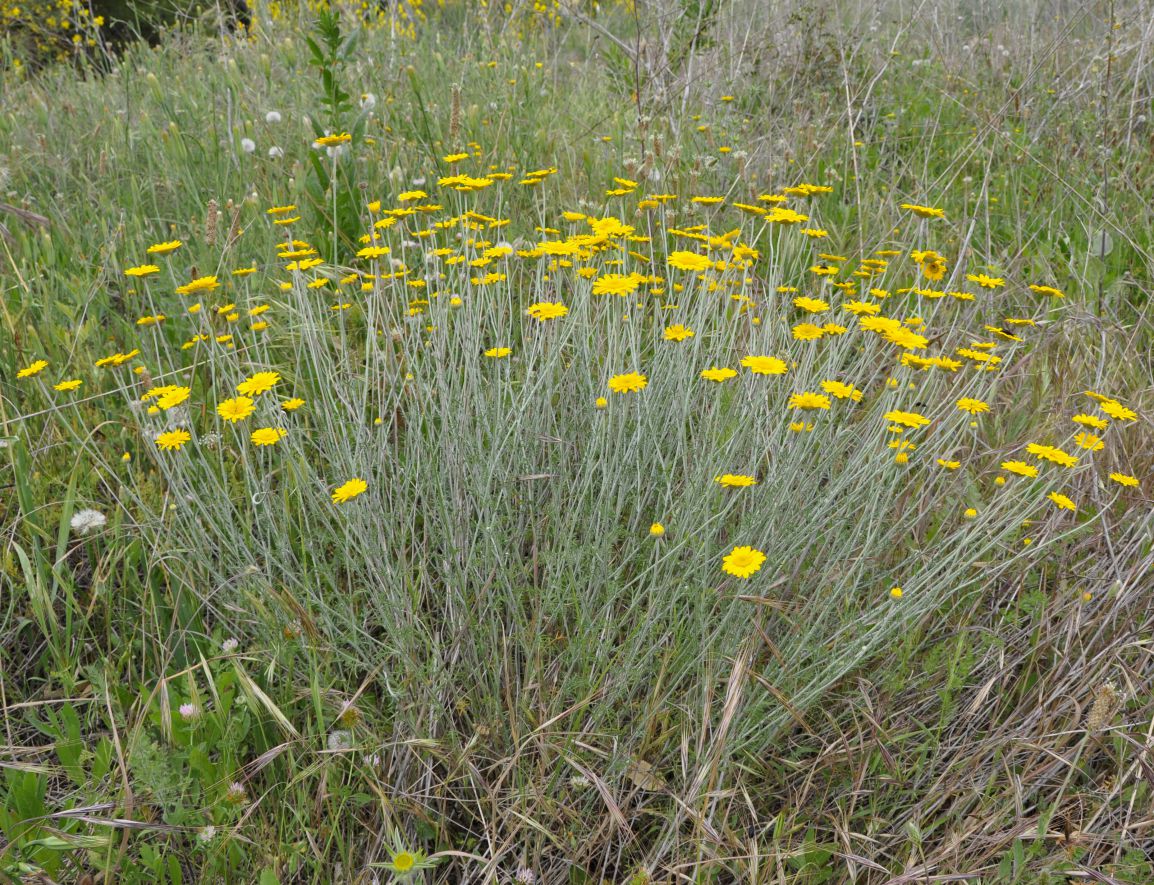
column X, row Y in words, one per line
column 206, row 834
column 87, row 520
column 525, row 876
column 230, row 645
column 247, row 145
column 272, row 117
column 275, row 153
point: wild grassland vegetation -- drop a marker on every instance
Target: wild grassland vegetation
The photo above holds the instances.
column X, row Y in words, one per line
column 555, row 443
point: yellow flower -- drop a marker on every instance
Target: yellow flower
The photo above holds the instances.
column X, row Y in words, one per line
column 949, row 465
column 68, row 385
column 765, row 365
column 143, row 270
column 547, row 310
column 689, row 261
column 896, row 592
column 973, row 406
column 1089, row 441
column 164, row 248
column 718, row 374
column 601, row 402
column 1091, row 421
column 1021, row 468
column 172, row 440
column 349, row 490
column 907, row 419
column 808, row 401
column 258, row 383
column 986, row 282
column 200, row 284
column 842, row 391
column 333, row 140
column 970, row 513
column 741, row 562
column 735, row 480
column 1116, row 410
column 1124, row 479
column 812, row 305
column 1062, row 501
column 924, row 211
column 267, row 436
column 807, row 332
column 677, row 332
column 236, row 409
column 403, row 861
column 630, row 382
column 33, row 369
column 1052, row 454
column 497, row 353
column 291, row 405
column 656, row 530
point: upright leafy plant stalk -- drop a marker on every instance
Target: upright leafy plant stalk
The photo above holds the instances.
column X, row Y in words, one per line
column 330, row 185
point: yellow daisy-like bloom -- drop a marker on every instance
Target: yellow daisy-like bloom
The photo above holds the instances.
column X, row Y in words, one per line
column 1048, row 290
column 970, row 513
column 1021, row 468
column 689, row 261
column 616, row 284
column 164, row 248
column 498, row 353
column 808, row 401
column 142, row 270
column 896, row 592
column 842, row 391
column 334, row 140
column 1116, row 410
column 741, row 562
column 547, row 310
column 924, row 211
column 808, row 332
column 172, row 440
column 812, row 305
column 857, row 308
column 267, row 436
column 656, row 530
column 33, row 369
column 291, row 405
column 455, row 158
column 349, row 490
column 907, row 419
column 713, row 373
column 67, row 385
column 973, row 406
column 629, row 382
column 403, row 861
column 1089, row 441
column 1091, row 421
column 200, row 284
column 986, row 282
column 735, row 480
column 1052, row 454
column 1124, row 479
column 173, row 396
column 949, row 465
column 765, row 365
column 601, row 402
column 1062, row 501
column 281, row 210
column 236, row 409
column 258, row 383
column 677, row 332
